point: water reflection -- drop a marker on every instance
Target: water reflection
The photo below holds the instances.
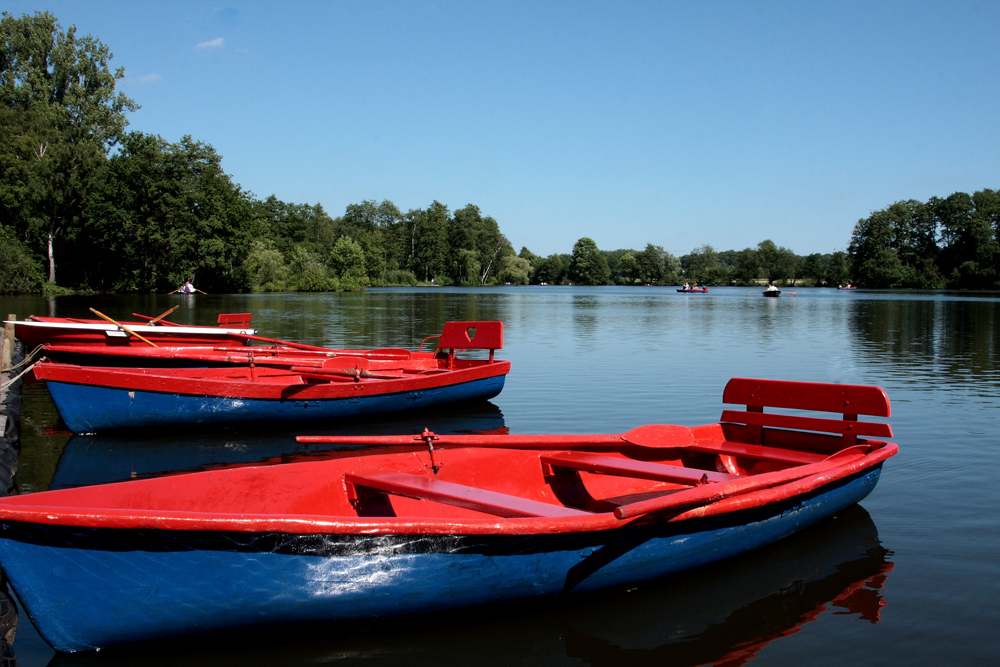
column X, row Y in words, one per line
column 103, row 458
column 931, row 343
column 725, row 613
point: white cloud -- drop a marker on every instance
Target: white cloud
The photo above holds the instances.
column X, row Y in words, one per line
column 212, row 44
column 148, row 78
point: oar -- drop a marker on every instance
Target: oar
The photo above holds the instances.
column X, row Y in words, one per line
column 710, row 493
column 661, row 436
column 198, row 290
column 357, row 374
column 174, row 292
column 275, row 341
column 162, row 315
column 122, row 327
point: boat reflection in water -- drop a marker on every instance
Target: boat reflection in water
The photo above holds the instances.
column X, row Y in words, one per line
column 724, row 613
column 104, row 458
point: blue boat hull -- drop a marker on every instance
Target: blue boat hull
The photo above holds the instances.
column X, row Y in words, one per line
column 98, row 587
column 88, row 408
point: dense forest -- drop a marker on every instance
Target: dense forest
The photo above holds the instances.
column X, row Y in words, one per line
column 120, row 211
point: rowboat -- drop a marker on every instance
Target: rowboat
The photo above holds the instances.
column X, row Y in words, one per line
column 775, row 293
column 38, row 330
column 847, row 287
column 92, row 398
column 692, row 290
column 465, row 520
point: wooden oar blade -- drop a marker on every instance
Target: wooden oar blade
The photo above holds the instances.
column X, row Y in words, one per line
column 660, row 435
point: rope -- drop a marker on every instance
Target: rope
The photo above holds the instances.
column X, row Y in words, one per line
column 24, row 361
column 18, row 376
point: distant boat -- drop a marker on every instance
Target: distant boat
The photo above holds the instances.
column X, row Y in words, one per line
column 692, row 290
column 451, row 522
column 846, row 287
column 775, row 293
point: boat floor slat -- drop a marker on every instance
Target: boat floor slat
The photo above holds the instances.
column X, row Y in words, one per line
column 459, row 495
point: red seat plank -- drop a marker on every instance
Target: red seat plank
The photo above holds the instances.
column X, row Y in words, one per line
column 611, row 465
column 807, row 423
column 459, row 495
column 760, row 452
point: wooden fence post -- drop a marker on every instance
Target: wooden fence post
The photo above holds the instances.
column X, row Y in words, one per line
column 8, row 343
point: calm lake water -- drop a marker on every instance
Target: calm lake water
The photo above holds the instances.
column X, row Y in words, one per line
column 911, row 576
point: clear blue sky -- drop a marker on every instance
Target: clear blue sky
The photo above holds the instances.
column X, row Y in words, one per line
column 676, row 123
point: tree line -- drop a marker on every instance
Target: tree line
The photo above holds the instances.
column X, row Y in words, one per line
column 88, row 205
column 952, row 242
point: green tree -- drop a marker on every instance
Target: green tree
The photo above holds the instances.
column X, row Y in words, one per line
column 746, row 269
column 514, row 269
column 970, row 254
column 307, row 273
column 814, row 267
column 551, row 270
column 264, row 268
column 19, row 273
column 628, row 265
column 429, row 241
column 702, row 266
column 838, row 270
column 160, row 213
column 347, row 262
column 588, row 265
column 59, row 91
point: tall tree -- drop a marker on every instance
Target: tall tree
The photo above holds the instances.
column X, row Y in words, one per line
column 62, row 90
column 970, row 254
column 588, row 265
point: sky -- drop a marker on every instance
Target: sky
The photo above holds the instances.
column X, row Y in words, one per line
column 676, row 123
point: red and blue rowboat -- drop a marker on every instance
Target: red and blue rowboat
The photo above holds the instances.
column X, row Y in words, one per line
column 92, row 399
column 466, row 520
column 692, row 290
column 233, row 330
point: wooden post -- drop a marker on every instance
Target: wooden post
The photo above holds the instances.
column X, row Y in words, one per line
column 8, row 343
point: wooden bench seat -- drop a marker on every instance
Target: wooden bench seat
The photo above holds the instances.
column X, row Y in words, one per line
column 459, row 495
column 611, row 465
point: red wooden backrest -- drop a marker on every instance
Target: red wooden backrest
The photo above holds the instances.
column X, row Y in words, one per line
column 846, row 399
column 472, row 336
column 239, row 319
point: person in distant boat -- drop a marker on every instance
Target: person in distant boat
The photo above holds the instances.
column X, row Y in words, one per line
column 188, row 288
column 772, row 288
column 686, row 286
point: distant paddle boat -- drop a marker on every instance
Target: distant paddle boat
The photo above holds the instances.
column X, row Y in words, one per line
column 692, row 290
column 454, row 521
